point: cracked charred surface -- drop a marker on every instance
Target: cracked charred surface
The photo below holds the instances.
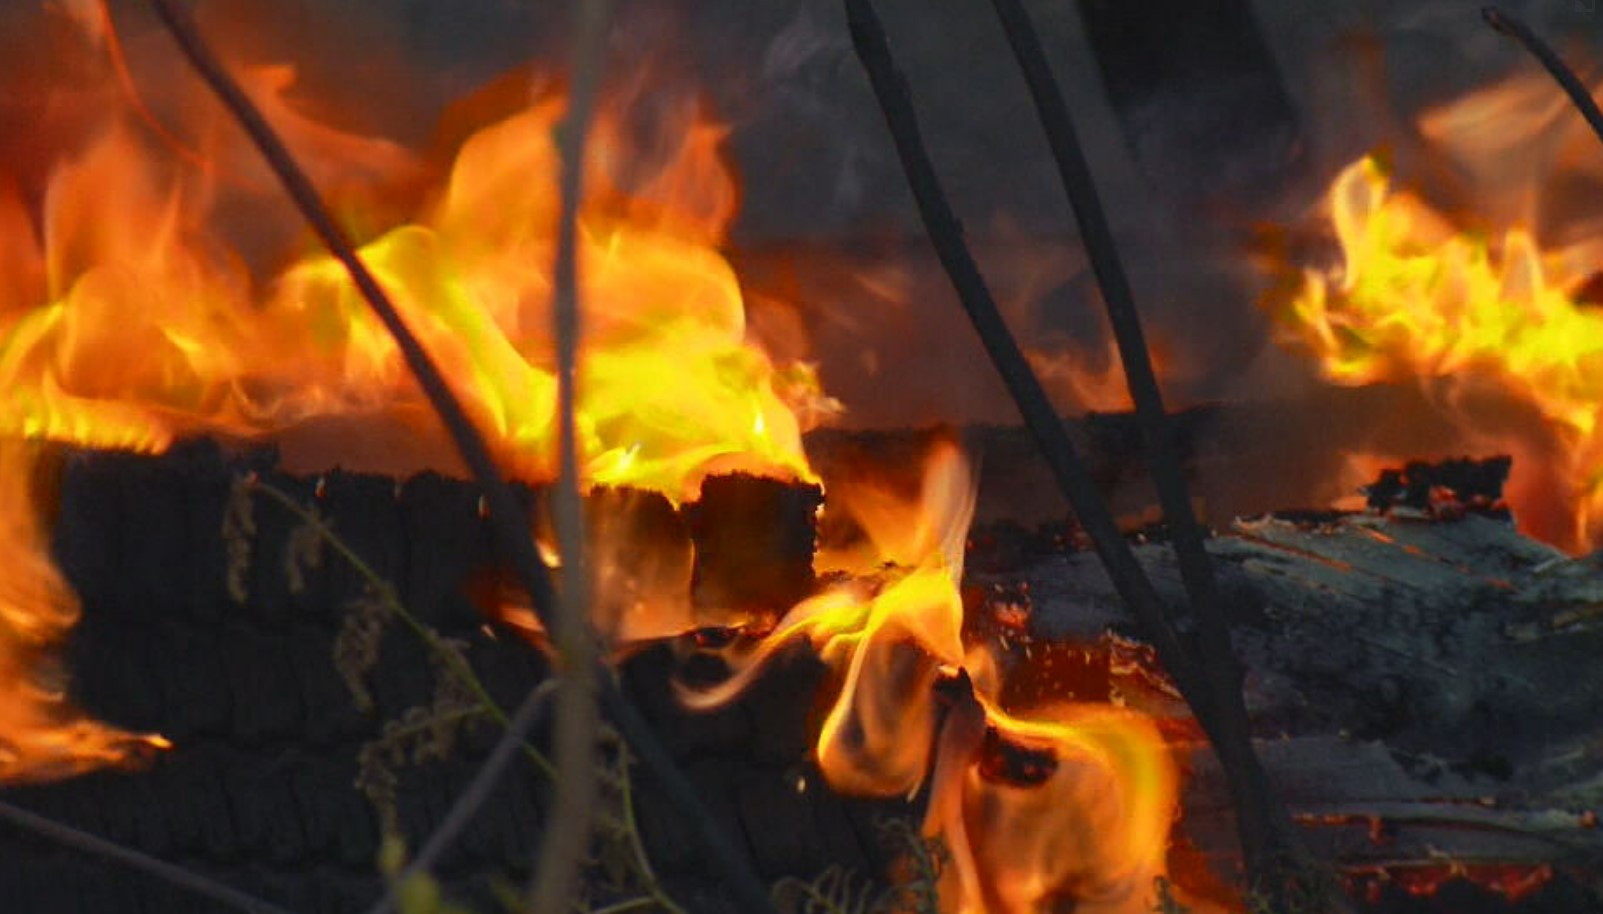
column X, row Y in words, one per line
column 1435, row 679
column 1422, row 691
column 260, row 789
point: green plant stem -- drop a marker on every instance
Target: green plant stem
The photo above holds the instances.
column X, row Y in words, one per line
column 632, row 830
column 628, row 826
column 449, row 717
column 386, row 594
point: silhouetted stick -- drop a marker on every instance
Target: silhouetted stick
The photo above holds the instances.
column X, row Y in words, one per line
column 1573, row 87
column 506, row 514
column 1265, row 826
column 474, row 796
column 566, row 843
column 97, row 846
column 1187, row 535
column 946, row 234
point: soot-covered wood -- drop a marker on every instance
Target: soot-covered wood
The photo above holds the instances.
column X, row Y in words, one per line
column 1423, row 692
column 1437, row 678
column 259, row 791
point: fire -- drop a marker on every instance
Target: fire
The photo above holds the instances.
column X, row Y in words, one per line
column 1416, row 297
column 134, row 315
column 40, row 735
column 1091, row 825
column 1096, row 384
column 128, row 322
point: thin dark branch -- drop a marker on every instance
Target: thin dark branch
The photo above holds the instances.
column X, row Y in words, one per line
column 946, row 234
column 1075, row 172
column 1264, row 824
column 97, row 846
column 474, row 796
column 1579, row 94
column 506, row 514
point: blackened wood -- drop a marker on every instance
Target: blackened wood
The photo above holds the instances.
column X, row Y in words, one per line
column 1240, row 459
column 259, row 791
column 754, row 543
column 1437, row 677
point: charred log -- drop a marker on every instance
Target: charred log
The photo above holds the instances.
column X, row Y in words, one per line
column 1422, row 692
column 1418, row 689
column 261, row 790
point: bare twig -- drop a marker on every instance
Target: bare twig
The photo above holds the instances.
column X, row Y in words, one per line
column 475, row 795
column 1579, row 95
column 161, row 869
column 506, row 514
column 567, row 839
column 1119, row 301
column 946, row 234
column 1265, row 826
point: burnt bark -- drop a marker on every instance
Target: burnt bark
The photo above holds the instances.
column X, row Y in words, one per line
column 1422, row 690
column 260, row 789
column 1439, row 678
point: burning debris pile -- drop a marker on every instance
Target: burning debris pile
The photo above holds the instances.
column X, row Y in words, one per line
column 230, row 510
column 131, row 325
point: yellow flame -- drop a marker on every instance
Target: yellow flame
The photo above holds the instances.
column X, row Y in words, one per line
column 1096, row 830
column 1417, row 298
column 127, row 324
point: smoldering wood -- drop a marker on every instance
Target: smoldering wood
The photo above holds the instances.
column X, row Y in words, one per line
column 1421, row 691
column 1241, row 459
column 1438, row 679
column 755, row 540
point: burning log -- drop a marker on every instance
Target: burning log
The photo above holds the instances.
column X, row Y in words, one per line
column 259, row 792
column 1425, row 692
column 1431, row 678
column 1240, row 458
column 754, row 542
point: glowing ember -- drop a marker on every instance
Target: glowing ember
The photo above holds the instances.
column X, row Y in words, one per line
column 1417, row 298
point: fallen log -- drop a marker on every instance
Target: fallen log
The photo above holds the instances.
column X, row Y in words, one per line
column 1424, row 693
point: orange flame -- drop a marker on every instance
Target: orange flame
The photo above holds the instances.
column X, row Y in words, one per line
column 1418, row 298
column 1096, row 829
column 40, row 735
column 1095, row 385
column 126, row 323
